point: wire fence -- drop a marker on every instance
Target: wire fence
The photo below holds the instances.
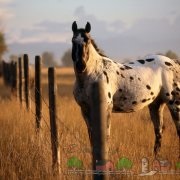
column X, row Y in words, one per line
column 65, row 150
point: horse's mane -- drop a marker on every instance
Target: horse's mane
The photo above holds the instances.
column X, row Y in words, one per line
column 100, row 51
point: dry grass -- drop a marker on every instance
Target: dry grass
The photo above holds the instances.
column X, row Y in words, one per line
column 25, row 155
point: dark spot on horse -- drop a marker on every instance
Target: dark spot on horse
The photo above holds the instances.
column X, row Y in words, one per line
column 177, row 102
column 173, row 93
column 175, row 84
column 118, row 109
column 109, row 94
column 134, row 102
column 148, row 99
column 120, row 90
column 131, row 62
column 177, row 89
column 131, row 78
column 152, row 93
column 148, row 87
column 168, row 64
column 141, row 61
column 153, row 97
column 122, row 76
column 124, row 98
column 171, row 102
column 139, row 79
column 117, row 72
column 150, row 59
column 107, row 78
column 127, row 67
column 122, row 68
column 167, row 94
column 143, row 101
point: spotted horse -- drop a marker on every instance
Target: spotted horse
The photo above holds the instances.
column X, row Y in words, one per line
column 152, row 81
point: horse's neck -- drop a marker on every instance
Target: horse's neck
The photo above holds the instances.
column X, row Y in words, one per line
column 94, row 61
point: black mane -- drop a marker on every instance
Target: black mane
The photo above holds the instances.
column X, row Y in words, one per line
column 100, row 52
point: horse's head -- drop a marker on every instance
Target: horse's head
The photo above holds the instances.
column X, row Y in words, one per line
column 80, row 42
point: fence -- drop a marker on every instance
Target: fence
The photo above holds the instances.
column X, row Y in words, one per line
column 16, row 75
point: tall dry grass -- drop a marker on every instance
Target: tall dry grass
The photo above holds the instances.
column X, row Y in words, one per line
column 26, row 155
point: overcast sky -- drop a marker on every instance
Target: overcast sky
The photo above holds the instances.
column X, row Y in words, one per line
column 123, row 28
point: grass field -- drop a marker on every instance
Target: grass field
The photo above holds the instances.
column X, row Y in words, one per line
column 26, row 155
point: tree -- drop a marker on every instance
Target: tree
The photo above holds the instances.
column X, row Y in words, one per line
column 3, row 46
column 48, row 59
column 171, row 54
column 67, row 59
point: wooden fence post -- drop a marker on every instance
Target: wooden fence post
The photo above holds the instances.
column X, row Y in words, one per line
column 26, row 80
column 99, row 129
column 53, row 121
column 38, row 101
column 14, row 78
column 20, row 79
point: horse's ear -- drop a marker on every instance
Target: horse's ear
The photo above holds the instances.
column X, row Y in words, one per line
column 74, row 26
column 88, row 27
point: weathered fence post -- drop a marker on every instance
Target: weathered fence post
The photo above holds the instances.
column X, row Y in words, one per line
column 53, row 121
column 38, row 101
column 20, row 79
column 99, row 129
column 26, row 80
column 14, row 78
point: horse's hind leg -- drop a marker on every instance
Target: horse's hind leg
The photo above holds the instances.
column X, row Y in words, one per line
column 175, row 113
column 156, row 112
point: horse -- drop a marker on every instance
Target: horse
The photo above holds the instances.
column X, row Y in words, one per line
column 152, row 81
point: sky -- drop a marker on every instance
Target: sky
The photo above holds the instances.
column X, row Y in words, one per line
column 122, row 28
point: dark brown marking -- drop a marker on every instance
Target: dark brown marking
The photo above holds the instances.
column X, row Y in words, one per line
column 167, row 94
column 141, row 61
column 177, row 89
column 171, row 102
column 131, row 78
column 139, row 79
column 117, row 72
column 175, row 84
column 122, row 76
column 152, row 93
column 150, row 59
column 168, row 64
column 120, row 90
column 148, row 87
column 173, row 93
column 109, row 94
column 177, row 102
column 143, row 101
column 107, row 78
column 127, row 67
column 124, row 98
column 134, row 102
column 122, row 68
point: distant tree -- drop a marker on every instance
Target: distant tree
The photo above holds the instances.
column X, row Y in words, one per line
column 171, row 54
column 67, row 59
column 48, row 59
column 3, row 46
